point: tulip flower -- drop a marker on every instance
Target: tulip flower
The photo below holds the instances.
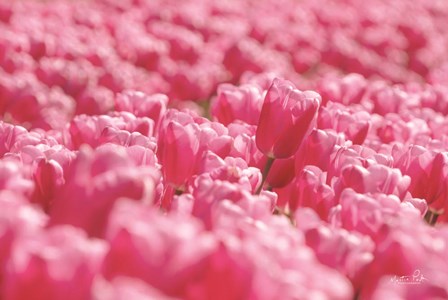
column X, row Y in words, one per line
column 237, row 103
column 180, row 148
column 142, row 105
column 59, row 263
column 287, row 117
column 94, row 182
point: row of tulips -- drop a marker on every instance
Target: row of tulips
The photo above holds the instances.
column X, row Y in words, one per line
column 61, row 58
column 152, row 202
column 129, row 170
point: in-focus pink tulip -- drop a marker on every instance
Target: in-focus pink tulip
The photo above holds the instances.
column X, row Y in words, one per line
column 286, row 118
column 180, row 148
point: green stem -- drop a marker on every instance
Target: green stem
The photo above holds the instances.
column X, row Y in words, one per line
column 431, row 216
column 178, row 192
column 265, row 173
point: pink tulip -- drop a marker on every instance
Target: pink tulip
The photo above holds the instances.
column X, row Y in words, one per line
column 263, row 80
column 281, row 173
column 242, row 260
column 355, row 124
column 141, row 155
column 309, row 190
column 387, row 99
column 234, row 170
column 185, row 123
column 95, row 101
column 122, row 288
column 244, row 145
column 237, row 103
column 58, row 263
column 208, row 193
column 89, row 129
column 142, row 105
column 317, row 148
column 49, row 176
column 346, row 90
column 179, row 153
column 368, row 213
column 213, row 137
column 18, row 220
column 293, row 112
column 95, row 181
column 124, row 138
column 374, row 179
column 13, row 178
column 349, row 252
column 428, row 173
column 407, row 251
column 356, row 155
column 167, row 252
column 393, row 129
column 9, row 135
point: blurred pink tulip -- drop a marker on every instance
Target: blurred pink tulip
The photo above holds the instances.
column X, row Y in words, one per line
column 122, row 288
column 59, row 263
column 94, row 182
column 237, row 103
column 349, row 252
column 142, row 105
column 145, row 244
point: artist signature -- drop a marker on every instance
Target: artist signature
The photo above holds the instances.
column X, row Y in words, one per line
column 416, row 278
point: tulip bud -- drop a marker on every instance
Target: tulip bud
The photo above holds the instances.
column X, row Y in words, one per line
column 287, row 117
column 180, row 148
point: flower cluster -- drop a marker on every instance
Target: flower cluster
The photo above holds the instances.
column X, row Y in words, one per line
column 223, row 150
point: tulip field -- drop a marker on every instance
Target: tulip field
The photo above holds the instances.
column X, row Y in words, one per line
column 223, row 149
